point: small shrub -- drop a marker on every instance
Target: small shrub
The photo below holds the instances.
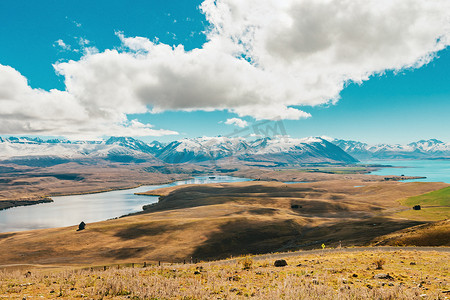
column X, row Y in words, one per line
column 379, row 264
column 247, row 263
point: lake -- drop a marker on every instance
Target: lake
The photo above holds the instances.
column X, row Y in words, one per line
column 434, row 170
column 71, row 210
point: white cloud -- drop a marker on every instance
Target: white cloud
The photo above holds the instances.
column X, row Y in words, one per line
column 237, row 122
column 263, row 58
column 33, row 111
column 63, row 45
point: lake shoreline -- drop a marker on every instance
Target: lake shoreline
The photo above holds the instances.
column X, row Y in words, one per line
column 8, row 204
column 115, row 203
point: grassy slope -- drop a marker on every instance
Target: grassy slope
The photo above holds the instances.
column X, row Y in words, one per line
column 430, row 234
column 436, row 198
column 217, row 220
column 435, row 206
column 338, row 275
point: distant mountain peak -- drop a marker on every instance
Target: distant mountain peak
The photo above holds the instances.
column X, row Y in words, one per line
column 423, row 149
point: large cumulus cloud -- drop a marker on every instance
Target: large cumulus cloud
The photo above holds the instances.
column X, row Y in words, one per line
column 263, row 58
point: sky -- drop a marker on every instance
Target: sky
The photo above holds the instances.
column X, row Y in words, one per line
column 376, row 71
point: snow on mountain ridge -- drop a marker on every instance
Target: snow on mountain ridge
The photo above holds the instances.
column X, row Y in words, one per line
column 431, row 148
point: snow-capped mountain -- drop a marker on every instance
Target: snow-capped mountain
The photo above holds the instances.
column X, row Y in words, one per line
column 31, row 151
column 130, row 143
column 277, row 150
column 285, row 150
column 202, row 149
column 423, row 149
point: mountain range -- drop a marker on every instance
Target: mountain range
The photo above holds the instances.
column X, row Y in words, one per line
column 276, row 151
column 423, row 149
column 279, row 151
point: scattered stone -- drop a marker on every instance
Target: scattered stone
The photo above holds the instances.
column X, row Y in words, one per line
column 197, row 272
column 28, row 274
column 52, row 291
column 25, row 284
column 234, row 278
column 82, row 226
column 369, row 286
column 383, row 276
column 416, row 207
column 446, row 292
column 315, row 281
column 390, row 284
column 412, row 263
column 280, row 263
column 423, row 295
column 355, row 275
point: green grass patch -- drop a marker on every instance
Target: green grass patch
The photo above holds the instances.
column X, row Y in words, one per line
column 437, row 198
column 427, row 214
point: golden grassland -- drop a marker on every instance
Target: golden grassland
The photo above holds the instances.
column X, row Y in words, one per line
column 429, row 234
column 360, row 274
column 214, row 221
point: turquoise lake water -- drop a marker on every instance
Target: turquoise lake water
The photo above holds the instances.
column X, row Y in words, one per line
column 71, row 210
column 434, row 170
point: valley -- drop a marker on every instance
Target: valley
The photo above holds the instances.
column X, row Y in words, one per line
column 301, row 194
column 214, row 221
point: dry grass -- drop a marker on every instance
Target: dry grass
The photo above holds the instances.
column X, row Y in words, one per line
column 434, row 234
column 218, row 220
column 412, row 275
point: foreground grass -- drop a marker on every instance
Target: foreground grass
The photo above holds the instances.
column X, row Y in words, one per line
column 340, row 275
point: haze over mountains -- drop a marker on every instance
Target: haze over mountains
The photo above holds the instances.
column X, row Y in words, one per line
column 279, row 150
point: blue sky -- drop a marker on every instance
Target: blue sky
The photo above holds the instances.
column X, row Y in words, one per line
column 391, row 107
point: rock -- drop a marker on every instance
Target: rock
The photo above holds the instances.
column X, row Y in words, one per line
column 416, row 207
column 280, row 263
column 383, row 276
column 234, row 278
column 355, row 275
column 197, row 273
column 412, row 263
column 82, row 226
